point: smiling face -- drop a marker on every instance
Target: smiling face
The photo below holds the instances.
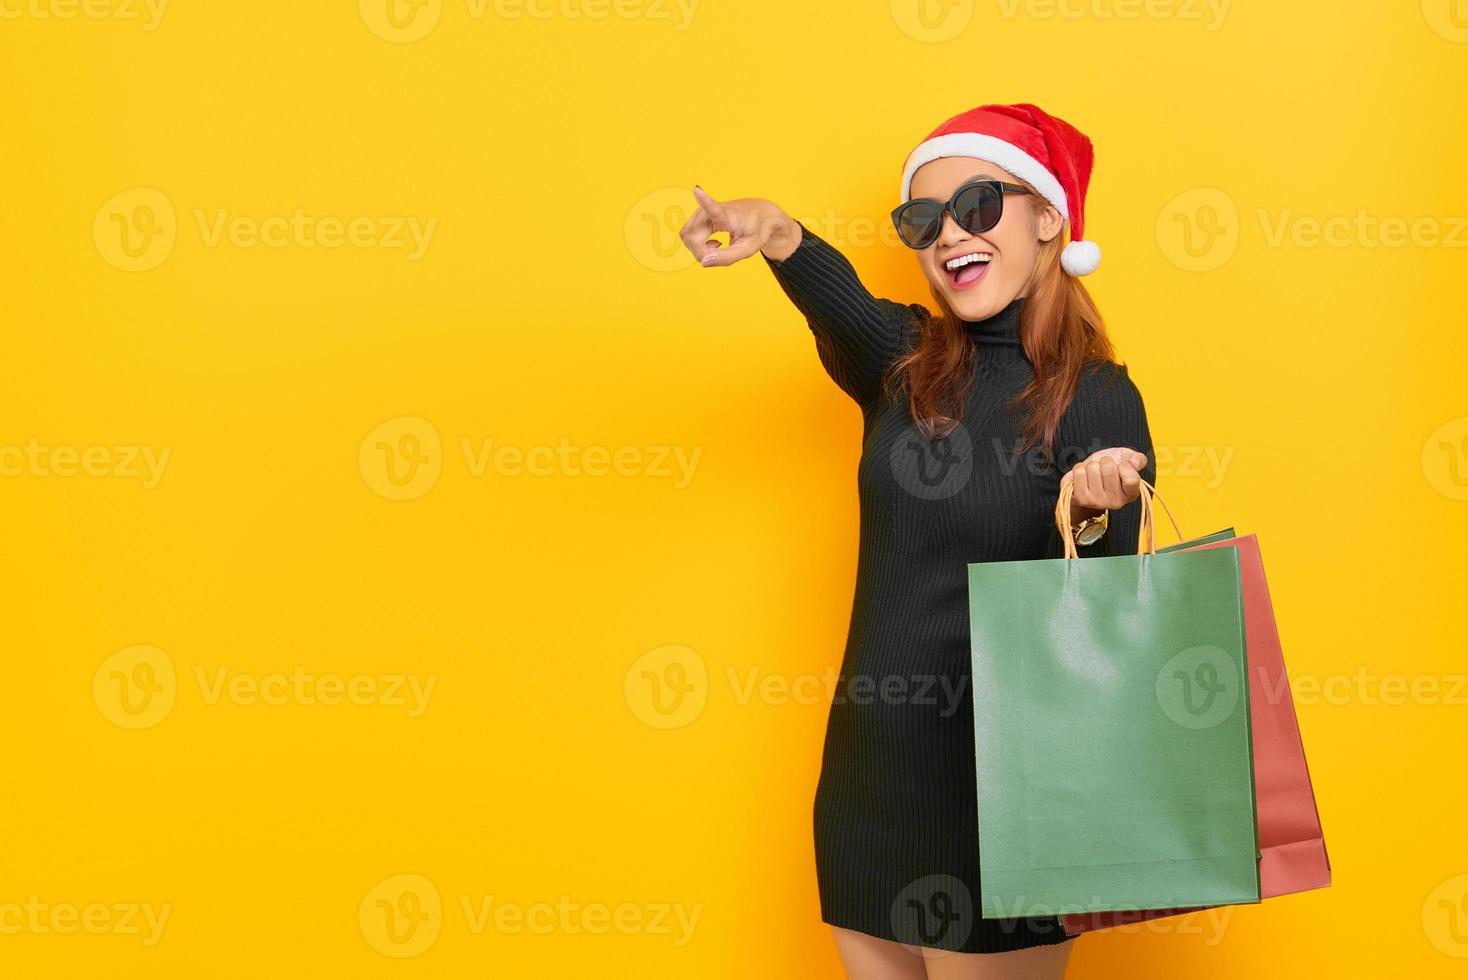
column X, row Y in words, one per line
column 979, row 275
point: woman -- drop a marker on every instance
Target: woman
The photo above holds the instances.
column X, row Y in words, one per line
column 972, row 420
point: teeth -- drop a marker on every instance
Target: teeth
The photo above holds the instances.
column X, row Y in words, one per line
column 963, row 260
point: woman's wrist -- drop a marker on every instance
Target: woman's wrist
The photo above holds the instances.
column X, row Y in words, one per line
column 1088, row 529
column 1079, row 513
column 783, row 238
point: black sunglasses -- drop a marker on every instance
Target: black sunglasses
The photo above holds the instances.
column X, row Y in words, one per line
column 977, row 206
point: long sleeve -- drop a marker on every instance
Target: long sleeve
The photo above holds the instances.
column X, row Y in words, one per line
column 857, row 335
column 1106, row 412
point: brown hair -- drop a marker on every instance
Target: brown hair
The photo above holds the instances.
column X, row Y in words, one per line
column 1060, row 329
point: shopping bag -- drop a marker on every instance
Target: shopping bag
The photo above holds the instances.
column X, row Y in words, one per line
column 1111, row 730
column 1291, row 844
column 1226, row 533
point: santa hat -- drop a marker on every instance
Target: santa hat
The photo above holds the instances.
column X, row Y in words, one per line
column 1049, row 154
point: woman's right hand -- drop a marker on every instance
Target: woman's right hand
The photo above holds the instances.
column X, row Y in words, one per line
column 753, row 224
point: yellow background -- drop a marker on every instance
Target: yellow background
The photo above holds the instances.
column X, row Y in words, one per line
column 554, row 154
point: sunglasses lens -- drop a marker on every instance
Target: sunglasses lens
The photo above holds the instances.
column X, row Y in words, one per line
column 919, row 223
column 979, row 208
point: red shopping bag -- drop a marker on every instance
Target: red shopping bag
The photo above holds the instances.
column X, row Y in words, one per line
column 1292, row 854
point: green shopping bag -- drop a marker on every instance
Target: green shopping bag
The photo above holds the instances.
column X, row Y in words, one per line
column 1111, row 730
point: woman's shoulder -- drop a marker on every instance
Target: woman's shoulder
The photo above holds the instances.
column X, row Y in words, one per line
column 1104, row 380
column 1106, row 403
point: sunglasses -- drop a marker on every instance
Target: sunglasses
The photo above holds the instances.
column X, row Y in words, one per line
column 977, row 206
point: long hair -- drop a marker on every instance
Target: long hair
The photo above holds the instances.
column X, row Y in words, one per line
column 1060, row 330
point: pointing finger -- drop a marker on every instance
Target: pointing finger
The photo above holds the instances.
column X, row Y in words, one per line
column 712, row 208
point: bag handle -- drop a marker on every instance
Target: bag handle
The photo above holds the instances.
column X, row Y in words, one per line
column 1146, row 534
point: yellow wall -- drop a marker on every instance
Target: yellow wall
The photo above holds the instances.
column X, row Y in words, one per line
column 684, row 498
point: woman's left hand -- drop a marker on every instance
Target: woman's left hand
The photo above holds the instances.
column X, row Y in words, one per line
column 1105, row 480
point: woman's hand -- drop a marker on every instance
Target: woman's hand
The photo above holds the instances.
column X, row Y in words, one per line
column 1105, row 480
column 753, row 224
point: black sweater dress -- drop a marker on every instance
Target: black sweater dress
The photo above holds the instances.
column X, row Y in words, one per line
column 895, row 816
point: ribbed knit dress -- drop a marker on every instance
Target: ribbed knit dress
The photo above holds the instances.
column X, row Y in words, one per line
column 895, row 816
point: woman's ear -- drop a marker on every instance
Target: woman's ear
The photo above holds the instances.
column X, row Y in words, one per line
column 1050, row 223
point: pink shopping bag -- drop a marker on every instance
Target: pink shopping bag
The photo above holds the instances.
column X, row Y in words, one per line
column 1292, row 854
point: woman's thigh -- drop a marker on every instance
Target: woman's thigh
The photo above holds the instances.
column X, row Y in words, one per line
column 1035, row 963
column 866, row 957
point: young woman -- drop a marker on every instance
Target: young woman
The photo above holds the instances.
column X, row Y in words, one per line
column 972, row 419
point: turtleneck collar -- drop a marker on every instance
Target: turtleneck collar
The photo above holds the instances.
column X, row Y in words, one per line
column 998, row 336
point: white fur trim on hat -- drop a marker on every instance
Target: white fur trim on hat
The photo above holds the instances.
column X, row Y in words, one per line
column 1080, row 258
column 996, row 151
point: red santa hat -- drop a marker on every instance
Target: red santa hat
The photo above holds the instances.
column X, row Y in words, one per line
column 1045, row 152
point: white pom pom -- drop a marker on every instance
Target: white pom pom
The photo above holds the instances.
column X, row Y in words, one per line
column 1080, row 258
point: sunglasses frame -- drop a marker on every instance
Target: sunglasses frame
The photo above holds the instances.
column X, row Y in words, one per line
column 950, row 207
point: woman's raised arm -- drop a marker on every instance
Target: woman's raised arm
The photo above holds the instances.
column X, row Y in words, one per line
column 857, row 334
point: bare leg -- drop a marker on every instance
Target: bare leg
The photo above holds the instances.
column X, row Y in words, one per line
column 1035, row 963
column 866, row 957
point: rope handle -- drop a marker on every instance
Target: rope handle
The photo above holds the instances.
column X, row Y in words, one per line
column 1147, row 533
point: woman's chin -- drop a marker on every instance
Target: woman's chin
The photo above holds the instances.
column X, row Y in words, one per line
column 978, row 301
column 972, row 304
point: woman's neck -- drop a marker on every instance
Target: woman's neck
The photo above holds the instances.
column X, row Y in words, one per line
column 999, row 335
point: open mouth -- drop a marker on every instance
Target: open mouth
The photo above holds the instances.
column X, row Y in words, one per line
column 966, row 270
